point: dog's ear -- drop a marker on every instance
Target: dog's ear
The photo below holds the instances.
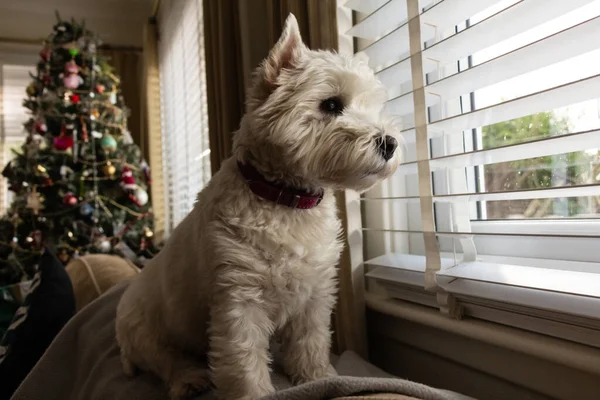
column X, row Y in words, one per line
column 286, row 50
column 362, row 57
column 282, row 56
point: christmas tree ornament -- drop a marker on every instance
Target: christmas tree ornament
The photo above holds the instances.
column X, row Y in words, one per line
column 33, row 144
column 69, row 199
column 141, row 197
column 46, row 79
column 45, row 54
column 127, row 179
column 71, row 79
column 103, row 244
column 75, row 146
column 146, row 170
column 100, row 88
column 63, row 143
column 113, row 97
column 31, row 90
column 109, row 169
column 75, row 98
column 86, row 210
column 48, row 181
column 108, row 143
column 127, row 139
column 94, row 114
column 96, row 135
column 34, row 201
column 65, row 172
column 73, row 51
column 84, row 131
column 40, row 127
column 147, row 232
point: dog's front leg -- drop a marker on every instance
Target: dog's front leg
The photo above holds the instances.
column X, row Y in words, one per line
column 307, row 342
column 239, row 345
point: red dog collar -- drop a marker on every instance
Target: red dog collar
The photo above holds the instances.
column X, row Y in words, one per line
column 289, row 197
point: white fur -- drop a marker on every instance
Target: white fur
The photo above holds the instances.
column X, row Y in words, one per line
column 239, row 269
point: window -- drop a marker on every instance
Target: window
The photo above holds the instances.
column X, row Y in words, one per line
column 186, row 153
column 14, row 79
column 496, row 209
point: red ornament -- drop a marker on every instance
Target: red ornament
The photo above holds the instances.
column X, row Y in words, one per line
column 100, row 88
column 63, row 142
column 69, row 199
column 46, row 79
column 127, row 180
column 40, row 127
column 75, row 98
column 45, row 54
column 48, row 182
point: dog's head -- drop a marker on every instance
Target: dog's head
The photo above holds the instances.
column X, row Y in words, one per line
column 314, row 118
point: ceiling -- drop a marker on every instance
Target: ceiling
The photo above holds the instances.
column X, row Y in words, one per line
column 118, row 22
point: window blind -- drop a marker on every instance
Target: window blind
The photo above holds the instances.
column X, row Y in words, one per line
column 13, row 81
column 186, row 161
column 498, row 198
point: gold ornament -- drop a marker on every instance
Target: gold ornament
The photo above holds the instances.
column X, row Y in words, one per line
column 34, row 201
column 31, row 90
column 95, row 113
column 109, row 169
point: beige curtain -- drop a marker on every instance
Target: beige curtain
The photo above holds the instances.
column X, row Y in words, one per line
column 238, row 35
column 128, row 64
column 150, row 120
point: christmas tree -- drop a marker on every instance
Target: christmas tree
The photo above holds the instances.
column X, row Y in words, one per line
column 80, row 184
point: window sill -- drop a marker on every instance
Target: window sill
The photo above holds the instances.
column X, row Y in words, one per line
column 563, row 352
column 500, row 279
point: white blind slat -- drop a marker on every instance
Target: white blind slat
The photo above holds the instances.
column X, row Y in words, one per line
column 564, row 45
column 560, row 144
column 560, row 96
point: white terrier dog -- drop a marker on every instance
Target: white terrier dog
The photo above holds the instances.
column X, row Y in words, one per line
column 257, row 255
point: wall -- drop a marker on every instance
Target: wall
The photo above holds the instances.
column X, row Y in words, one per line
column 481, row 370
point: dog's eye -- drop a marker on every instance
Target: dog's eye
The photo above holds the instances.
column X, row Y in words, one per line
column 332, row 106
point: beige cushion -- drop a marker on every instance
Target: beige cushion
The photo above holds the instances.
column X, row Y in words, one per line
column 93, row 274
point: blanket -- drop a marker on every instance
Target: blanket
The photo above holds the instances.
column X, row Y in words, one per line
column 83, row 364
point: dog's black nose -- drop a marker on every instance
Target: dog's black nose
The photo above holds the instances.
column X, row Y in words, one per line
column 386, row 145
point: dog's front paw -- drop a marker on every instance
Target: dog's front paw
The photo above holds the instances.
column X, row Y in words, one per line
column 308, row 375
column 188, row 383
